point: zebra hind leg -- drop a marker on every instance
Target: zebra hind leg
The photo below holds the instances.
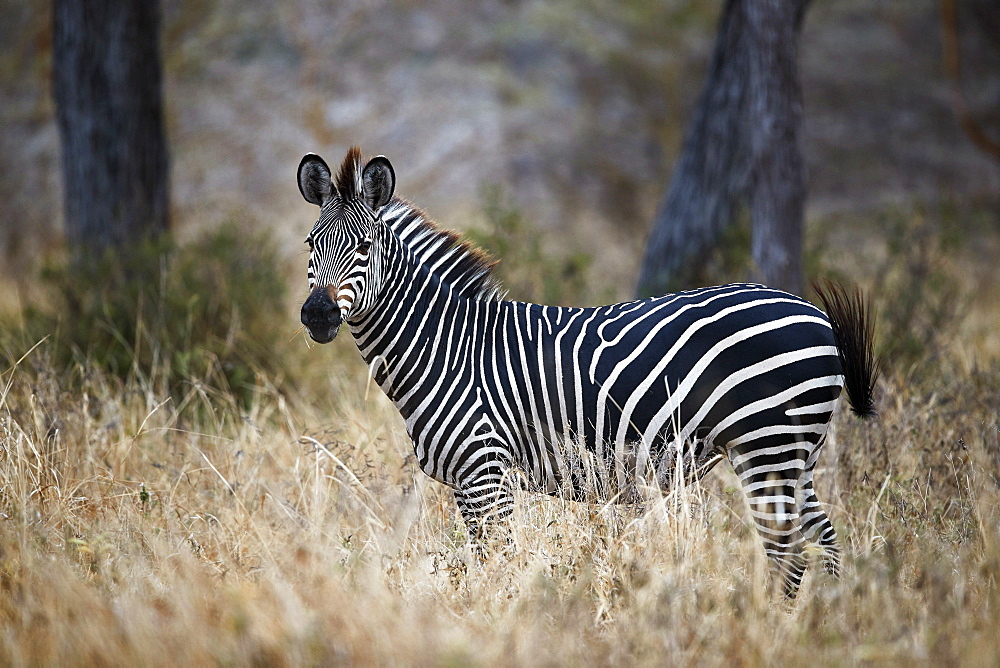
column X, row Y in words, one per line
column 816, row 526
column 770, row 490
column 776, row 519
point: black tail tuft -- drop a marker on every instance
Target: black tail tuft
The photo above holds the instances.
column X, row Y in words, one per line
column 854, row 333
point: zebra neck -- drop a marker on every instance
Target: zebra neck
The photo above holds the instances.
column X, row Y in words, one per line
column 406, row 338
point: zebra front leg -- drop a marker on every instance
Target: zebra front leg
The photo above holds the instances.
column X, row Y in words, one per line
column 485, row 503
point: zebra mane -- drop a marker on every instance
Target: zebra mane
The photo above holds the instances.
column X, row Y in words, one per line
column 348, row 181
column 467, row 269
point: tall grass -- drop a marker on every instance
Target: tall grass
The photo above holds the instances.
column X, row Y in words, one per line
column 137, row 529
column 202, row 310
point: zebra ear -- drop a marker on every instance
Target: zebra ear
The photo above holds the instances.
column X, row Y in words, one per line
column 379, row 182
column 314, row 179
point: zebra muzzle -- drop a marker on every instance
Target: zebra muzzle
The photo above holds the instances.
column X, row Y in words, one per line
column 321, row 316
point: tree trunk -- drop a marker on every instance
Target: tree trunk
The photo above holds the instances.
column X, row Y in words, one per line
column 774, row 122
column 107, row 82
column 742, row 147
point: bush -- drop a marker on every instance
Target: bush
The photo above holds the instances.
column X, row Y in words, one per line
column 525, row 269
column 202, row 312
column 918, row 298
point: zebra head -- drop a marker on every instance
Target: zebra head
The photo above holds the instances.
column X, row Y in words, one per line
column 341, row 241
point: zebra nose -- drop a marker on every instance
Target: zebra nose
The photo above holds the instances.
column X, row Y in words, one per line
column 321, row 316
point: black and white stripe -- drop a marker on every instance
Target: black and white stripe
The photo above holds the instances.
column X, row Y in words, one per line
column 596, row 401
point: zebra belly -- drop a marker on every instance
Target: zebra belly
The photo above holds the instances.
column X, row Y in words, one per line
column 639, row 398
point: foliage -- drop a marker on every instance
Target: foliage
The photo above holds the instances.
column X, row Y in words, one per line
column 911, row 269
column 917, row 296
column 527, row 271
column 727, row 261
column 200, row 312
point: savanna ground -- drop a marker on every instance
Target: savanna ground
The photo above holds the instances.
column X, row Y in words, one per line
column 184, row 480
column 173, row 497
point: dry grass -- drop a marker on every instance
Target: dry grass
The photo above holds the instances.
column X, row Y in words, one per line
column 145, row 524
column 141, row 530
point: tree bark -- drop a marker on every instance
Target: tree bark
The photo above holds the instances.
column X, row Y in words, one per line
column 107, row 80
column 742, row 147
column 778, row 184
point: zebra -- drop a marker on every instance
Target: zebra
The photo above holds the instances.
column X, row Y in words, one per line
column 647, row 389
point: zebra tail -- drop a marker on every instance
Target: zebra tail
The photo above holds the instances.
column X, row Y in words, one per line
column 854, row 333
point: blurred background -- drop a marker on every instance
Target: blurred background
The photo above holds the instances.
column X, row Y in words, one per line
column 547, row 130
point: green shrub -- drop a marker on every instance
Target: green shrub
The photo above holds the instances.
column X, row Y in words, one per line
column 727, row 261
column 526, row 270
column 203, row 312
column 917, row 297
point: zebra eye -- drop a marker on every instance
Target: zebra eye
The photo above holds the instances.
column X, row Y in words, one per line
column 309, row 240
column 364, row 246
